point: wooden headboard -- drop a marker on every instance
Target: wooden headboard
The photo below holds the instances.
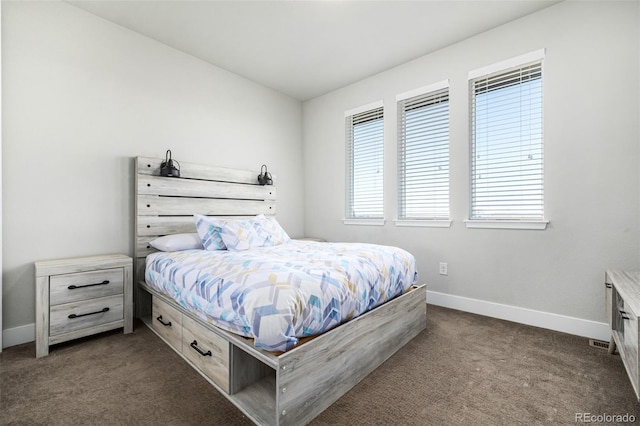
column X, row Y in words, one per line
column 166, row 205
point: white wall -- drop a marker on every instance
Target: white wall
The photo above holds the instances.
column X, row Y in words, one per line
column 591, row 107
column 81, row 98
column 1, row 177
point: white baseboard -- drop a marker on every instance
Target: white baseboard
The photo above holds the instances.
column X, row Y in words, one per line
column 18, row 335
column 565, row 324
column 579, row 327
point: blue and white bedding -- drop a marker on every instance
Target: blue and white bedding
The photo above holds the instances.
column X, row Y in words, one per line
column 281, row 293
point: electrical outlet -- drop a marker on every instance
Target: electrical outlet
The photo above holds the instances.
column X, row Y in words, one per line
column 444, row 269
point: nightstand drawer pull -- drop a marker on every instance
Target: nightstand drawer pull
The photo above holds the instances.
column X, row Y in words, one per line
column 166, row 324
column 103, row 310
column 73, row 287
column 194, row 345
column 623, row 314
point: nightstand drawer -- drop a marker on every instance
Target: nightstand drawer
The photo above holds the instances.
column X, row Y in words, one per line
column 167, row 321
column 208, row 351
column 85, row 285
column 84, row 314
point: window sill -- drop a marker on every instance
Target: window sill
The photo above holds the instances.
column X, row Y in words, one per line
column 370, row 222
column 507, row 224
column 427, row 223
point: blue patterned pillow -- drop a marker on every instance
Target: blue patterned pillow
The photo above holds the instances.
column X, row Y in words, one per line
column 239, row 235
column 269, row 231
column 209, row 232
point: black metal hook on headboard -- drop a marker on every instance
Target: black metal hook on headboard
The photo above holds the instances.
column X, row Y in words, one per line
column 168, row 166
column 264, row 178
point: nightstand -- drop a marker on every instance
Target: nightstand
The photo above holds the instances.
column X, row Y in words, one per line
column 81, row 296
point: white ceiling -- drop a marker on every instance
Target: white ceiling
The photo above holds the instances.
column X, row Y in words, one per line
column 307, row 48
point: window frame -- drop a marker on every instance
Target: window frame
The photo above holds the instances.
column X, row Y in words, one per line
column 422, row 93
column 510, row 65
column 351, row 218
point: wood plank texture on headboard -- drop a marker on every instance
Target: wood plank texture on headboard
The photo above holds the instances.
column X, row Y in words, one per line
column 166, row 205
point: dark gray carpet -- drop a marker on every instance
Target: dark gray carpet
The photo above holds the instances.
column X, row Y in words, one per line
column 464, row 369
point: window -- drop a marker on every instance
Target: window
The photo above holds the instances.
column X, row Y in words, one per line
column 507, row 145
column 365, row 145
column 423, row 155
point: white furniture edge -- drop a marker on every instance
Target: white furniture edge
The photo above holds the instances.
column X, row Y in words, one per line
column 550, row 321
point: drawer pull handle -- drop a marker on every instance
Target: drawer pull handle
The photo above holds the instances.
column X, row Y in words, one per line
column 623, row 314
column 73, row 287
column 194, row 345
column 103, row 310
column 607, row 285
column 166, row 324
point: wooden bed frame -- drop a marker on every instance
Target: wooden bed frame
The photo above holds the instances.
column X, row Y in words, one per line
column 289, row 388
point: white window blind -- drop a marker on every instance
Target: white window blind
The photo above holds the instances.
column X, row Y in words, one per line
column 365, row 145
column 507, row 145
column 423, row 156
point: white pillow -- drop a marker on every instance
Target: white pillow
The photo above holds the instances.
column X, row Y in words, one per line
column 177, row 242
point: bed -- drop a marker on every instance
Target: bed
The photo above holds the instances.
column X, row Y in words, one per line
column 275, row 376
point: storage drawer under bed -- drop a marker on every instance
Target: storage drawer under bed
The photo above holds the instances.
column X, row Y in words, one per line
column 167, row 321
column 208, row 351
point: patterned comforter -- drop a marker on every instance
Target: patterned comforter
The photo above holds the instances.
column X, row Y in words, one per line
column 279, row 294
